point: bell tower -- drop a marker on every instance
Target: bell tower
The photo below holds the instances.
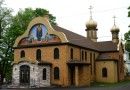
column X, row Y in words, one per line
column 91, row 27
column 115, row 31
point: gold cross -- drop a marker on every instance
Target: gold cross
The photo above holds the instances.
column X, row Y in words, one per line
column 114, row 19
column 90, row 11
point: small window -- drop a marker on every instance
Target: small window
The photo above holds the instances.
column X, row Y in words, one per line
column 38, row 55
column 71, row 53
column 44, row 74
column 104, row 72
column 85, row 55
column 82, row 55
column 94, row 63
column 91, row 63
column 22, row 54
column 56, row 53
column 94, row 56
column 56, row 73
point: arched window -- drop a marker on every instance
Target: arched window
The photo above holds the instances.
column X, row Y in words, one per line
column 104, row 72
column 44, row 74
column 82, row 55
column 22, row 54
column 38, row 55
column 94, row 63
column 91, row 62
column 56, row 73
column 56, row 53
column 71, row 53
column 85, row 55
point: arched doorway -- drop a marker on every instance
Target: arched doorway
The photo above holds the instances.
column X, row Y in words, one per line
column 24, row 74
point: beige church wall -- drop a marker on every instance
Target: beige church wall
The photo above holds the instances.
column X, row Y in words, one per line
column 17, row 54
column 93, row 74
column 77, row 56
column 84, row 76
column 76, row 53
column 47, row 55
column 84, row 71
column 111, row 71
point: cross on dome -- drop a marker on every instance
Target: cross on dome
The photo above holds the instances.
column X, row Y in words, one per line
column 90, row 11
column 114, row 19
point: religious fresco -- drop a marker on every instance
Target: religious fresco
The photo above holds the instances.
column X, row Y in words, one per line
column 39, row 34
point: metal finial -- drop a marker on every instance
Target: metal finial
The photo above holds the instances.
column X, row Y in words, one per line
column 114, row 19
column 90, row 11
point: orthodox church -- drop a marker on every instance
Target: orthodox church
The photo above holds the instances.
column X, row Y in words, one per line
column 47, row 55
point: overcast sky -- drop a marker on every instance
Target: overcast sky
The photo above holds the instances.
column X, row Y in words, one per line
column 73, row 14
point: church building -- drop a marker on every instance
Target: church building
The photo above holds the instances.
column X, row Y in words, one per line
column 47, row 55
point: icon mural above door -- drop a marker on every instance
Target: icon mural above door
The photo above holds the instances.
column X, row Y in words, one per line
column 39, row 34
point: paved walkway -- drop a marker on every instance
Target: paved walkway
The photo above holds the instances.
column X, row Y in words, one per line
column 122, row 87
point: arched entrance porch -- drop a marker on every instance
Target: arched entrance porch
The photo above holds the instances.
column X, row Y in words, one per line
column 24, row 74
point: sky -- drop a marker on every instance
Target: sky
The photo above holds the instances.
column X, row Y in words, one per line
column 73, row 14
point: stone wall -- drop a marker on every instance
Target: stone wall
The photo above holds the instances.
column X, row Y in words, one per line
column 36, row 74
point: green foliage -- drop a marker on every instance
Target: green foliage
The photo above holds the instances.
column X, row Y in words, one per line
column 99, row 84
column 9, row 73
column 127, row 46
column 127, row 35
column 5, row 20
column 129, row 11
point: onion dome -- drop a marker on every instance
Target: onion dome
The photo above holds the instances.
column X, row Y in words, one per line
column 115, row 29
column 91, row 24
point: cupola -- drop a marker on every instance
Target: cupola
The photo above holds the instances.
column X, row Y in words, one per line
column 91, row 24
column 91, row 28
column 115, row 31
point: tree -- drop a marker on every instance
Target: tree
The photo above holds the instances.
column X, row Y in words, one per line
column 5, row 19
column 19, row 24
column 127, row 35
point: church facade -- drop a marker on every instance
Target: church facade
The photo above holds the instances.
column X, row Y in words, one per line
column 48, row 55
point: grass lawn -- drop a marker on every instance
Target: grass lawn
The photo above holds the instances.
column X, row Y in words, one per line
column 97, row 84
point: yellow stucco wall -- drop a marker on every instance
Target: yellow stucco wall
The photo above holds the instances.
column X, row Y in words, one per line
column 111, row 71
column 47, row 55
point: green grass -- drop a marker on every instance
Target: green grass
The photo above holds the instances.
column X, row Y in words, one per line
column 97, row 84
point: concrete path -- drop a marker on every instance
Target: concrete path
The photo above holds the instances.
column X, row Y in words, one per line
column 122, row 87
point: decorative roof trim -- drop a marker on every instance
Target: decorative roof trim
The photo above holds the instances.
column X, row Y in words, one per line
column 25, row 60
column 45, row 21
